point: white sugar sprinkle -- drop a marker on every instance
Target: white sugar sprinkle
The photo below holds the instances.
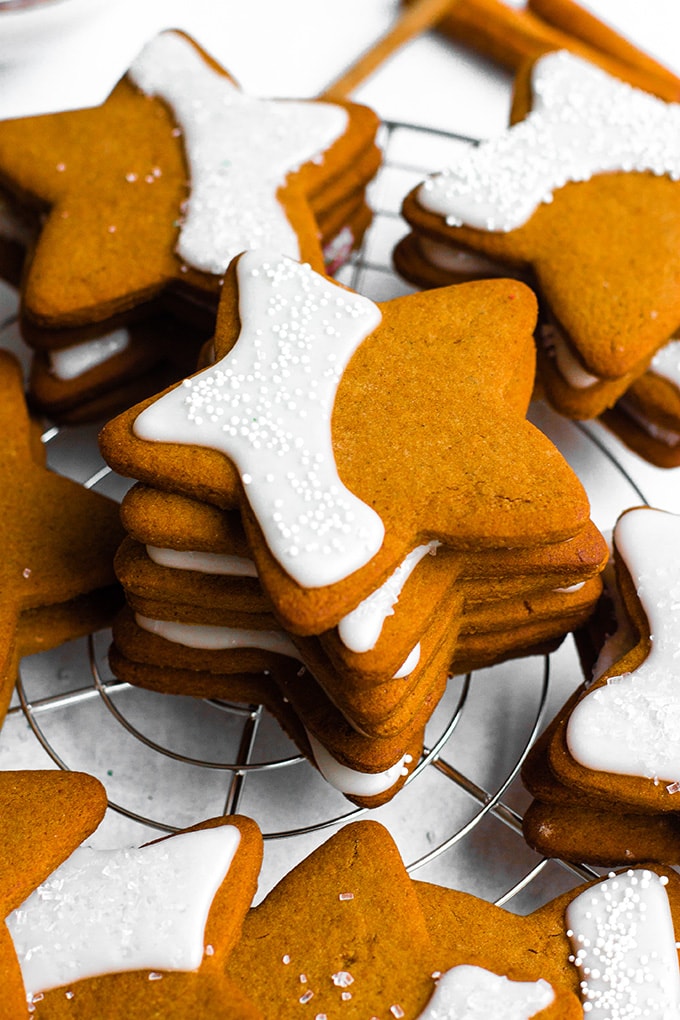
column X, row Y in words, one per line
column 582, row 122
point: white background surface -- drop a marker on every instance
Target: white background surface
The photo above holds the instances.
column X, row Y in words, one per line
column 296, row 48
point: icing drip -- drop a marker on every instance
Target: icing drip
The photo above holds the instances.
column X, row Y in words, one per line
column 350, row 781
column 630, row 726
column 472, row 993
column 107, row 911
column 204, row 562
column 666, row 362
column 409, row 664
column 568, row 366
column 359, row 630
column 72, row 362
column 583, row 122
column 213, row 638
column 267, row 405
column 239, row 149
column 621, row 931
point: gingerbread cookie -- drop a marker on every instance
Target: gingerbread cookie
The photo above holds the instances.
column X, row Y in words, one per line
column 135, row 228
column 86, row 937
column 47, row 561
column 595, row 944
column 582, row 216
column 505, row 486
column 44, row 816
column 609, row 945
column 375, row 955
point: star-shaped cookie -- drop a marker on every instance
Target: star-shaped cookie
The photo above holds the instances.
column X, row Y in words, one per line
column 582, row 190
column 360, row 431
column 342, row 933
column 593, row 945
column 44, row 816
column 397, row 948
column 141, row 932
column 60, row 538
column 159, row 187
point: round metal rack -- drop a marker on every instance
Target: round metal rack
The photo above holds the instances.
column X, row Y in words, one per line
column 168, row 761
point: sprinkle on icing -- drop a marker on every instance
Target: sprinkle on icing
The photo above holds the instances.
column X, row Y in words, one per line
column 621, row 931
column 583, row 122
column 72, row 362
column 267, row 405
column 631, row 725
column 239, row 149
column 214, row 638
column 108, row 911
column 360, row 630
column 350, row 781
column 203, row 562
column 472, row 993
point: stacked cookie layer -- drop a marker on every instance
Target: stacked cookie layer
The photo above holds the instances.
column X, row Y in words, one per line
column 343, row 508
column 579, row 197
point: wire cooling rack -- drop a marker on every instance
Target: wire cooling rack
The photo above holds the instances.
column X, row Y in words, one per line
column 170, row 761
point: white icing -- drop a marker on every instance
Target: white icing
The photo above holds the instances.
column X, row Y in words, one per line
column 239, row 149
column 666, row 362
column 571, row 370
column 359, row 630
column 267, row 405
column 409, row 663
column 107, row 911
column 631, row 725
column 72, row 362
column 468, row 992
column 623, row 941
column 583, row 122
column 351, row 782
column 204, row 562
column 213, row 638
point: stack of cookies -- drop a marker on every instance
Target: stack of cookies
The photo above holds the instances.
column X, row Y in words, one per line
column 346, row 505
column 580, row 198
column 605, row 775
column 130, row 235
